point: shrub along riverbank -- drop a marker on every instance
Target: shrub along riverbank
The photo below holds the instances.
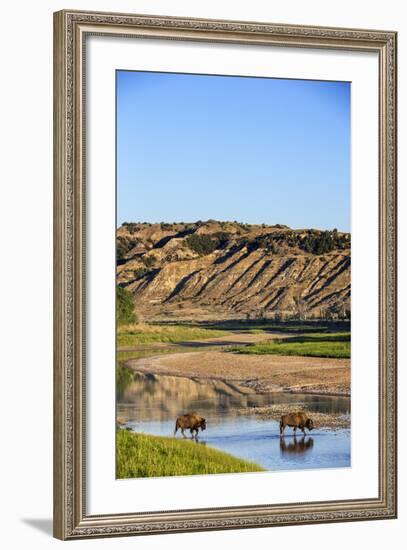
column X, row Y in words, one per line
column 141, row 455
column 336, row 345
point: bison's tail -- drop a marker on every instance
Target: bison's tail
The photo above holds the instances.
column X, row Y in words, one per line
column 176, row 428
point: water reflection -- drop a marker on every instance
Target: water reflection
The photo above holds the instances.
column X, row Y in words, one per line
column 150, row 397
column 301, row 445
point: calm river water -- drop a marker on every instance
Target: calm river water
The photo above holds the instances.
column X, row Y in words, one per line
column 151, row 403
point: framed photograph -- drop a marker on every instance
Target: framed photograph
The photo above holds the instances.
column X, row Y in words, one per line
column 225, row 274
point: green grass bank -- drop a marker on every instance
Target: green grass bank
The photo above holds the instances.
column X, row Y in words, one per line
column 137, row 334
column 334, row 345
column 140, row 455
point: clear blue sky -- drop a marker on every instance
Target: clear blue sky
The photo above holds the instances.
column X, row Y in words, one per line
column 255, row 150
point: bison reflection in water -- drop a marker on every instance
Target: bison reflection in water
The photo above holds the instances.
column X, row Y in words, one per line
column 296, row 445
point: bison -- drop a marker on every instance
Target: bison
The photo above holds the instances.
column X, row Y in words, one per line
column 192, row 422
column 296, row 420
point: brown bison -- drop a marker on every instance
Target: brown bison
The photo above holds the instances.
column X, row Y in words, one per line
column 296, row 420
column 192, row 422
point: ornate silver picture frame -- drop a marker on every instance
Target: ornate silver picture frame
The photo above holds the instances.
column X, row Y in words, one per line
column 71, row 518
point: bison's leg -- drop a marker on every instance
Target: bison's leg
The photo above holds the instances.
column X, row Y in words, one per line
column 282, row 428
column 303, row 430
column 183, row 433
column 176, row 429
column 295, row 429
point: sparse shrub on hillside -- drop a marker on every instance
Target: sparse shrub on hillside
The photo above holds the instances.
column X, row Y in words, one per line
column 315, row 242
column 140, row 272
column 124, row 306
column 166, row 226
column 123, row 245
column 277, row 242
column 222, row 238
column 243, row 226
column 149, row 261
column 202, row 244
column 324, row 241
column 131, row 227
column 280, row 226
column 274, row 248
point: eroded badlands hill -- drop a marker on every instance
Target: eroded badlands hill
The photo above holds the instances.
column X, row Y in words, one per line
column 219, row 270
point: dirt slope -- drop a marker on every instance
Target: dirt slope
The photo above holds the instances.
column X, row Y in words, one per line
column 219, row 270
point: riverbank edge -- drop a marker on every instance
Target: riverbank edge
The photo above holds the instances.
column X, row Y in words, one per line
column 237, row 384
column 323, row 421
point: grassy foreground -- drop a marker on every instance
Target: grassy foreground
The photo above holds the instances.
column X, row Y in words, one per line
column 335, row 345
column 138, row 333
column 140, row 455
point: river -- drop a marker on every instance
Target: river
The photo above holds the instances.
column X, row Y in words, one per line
column 150, row 404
